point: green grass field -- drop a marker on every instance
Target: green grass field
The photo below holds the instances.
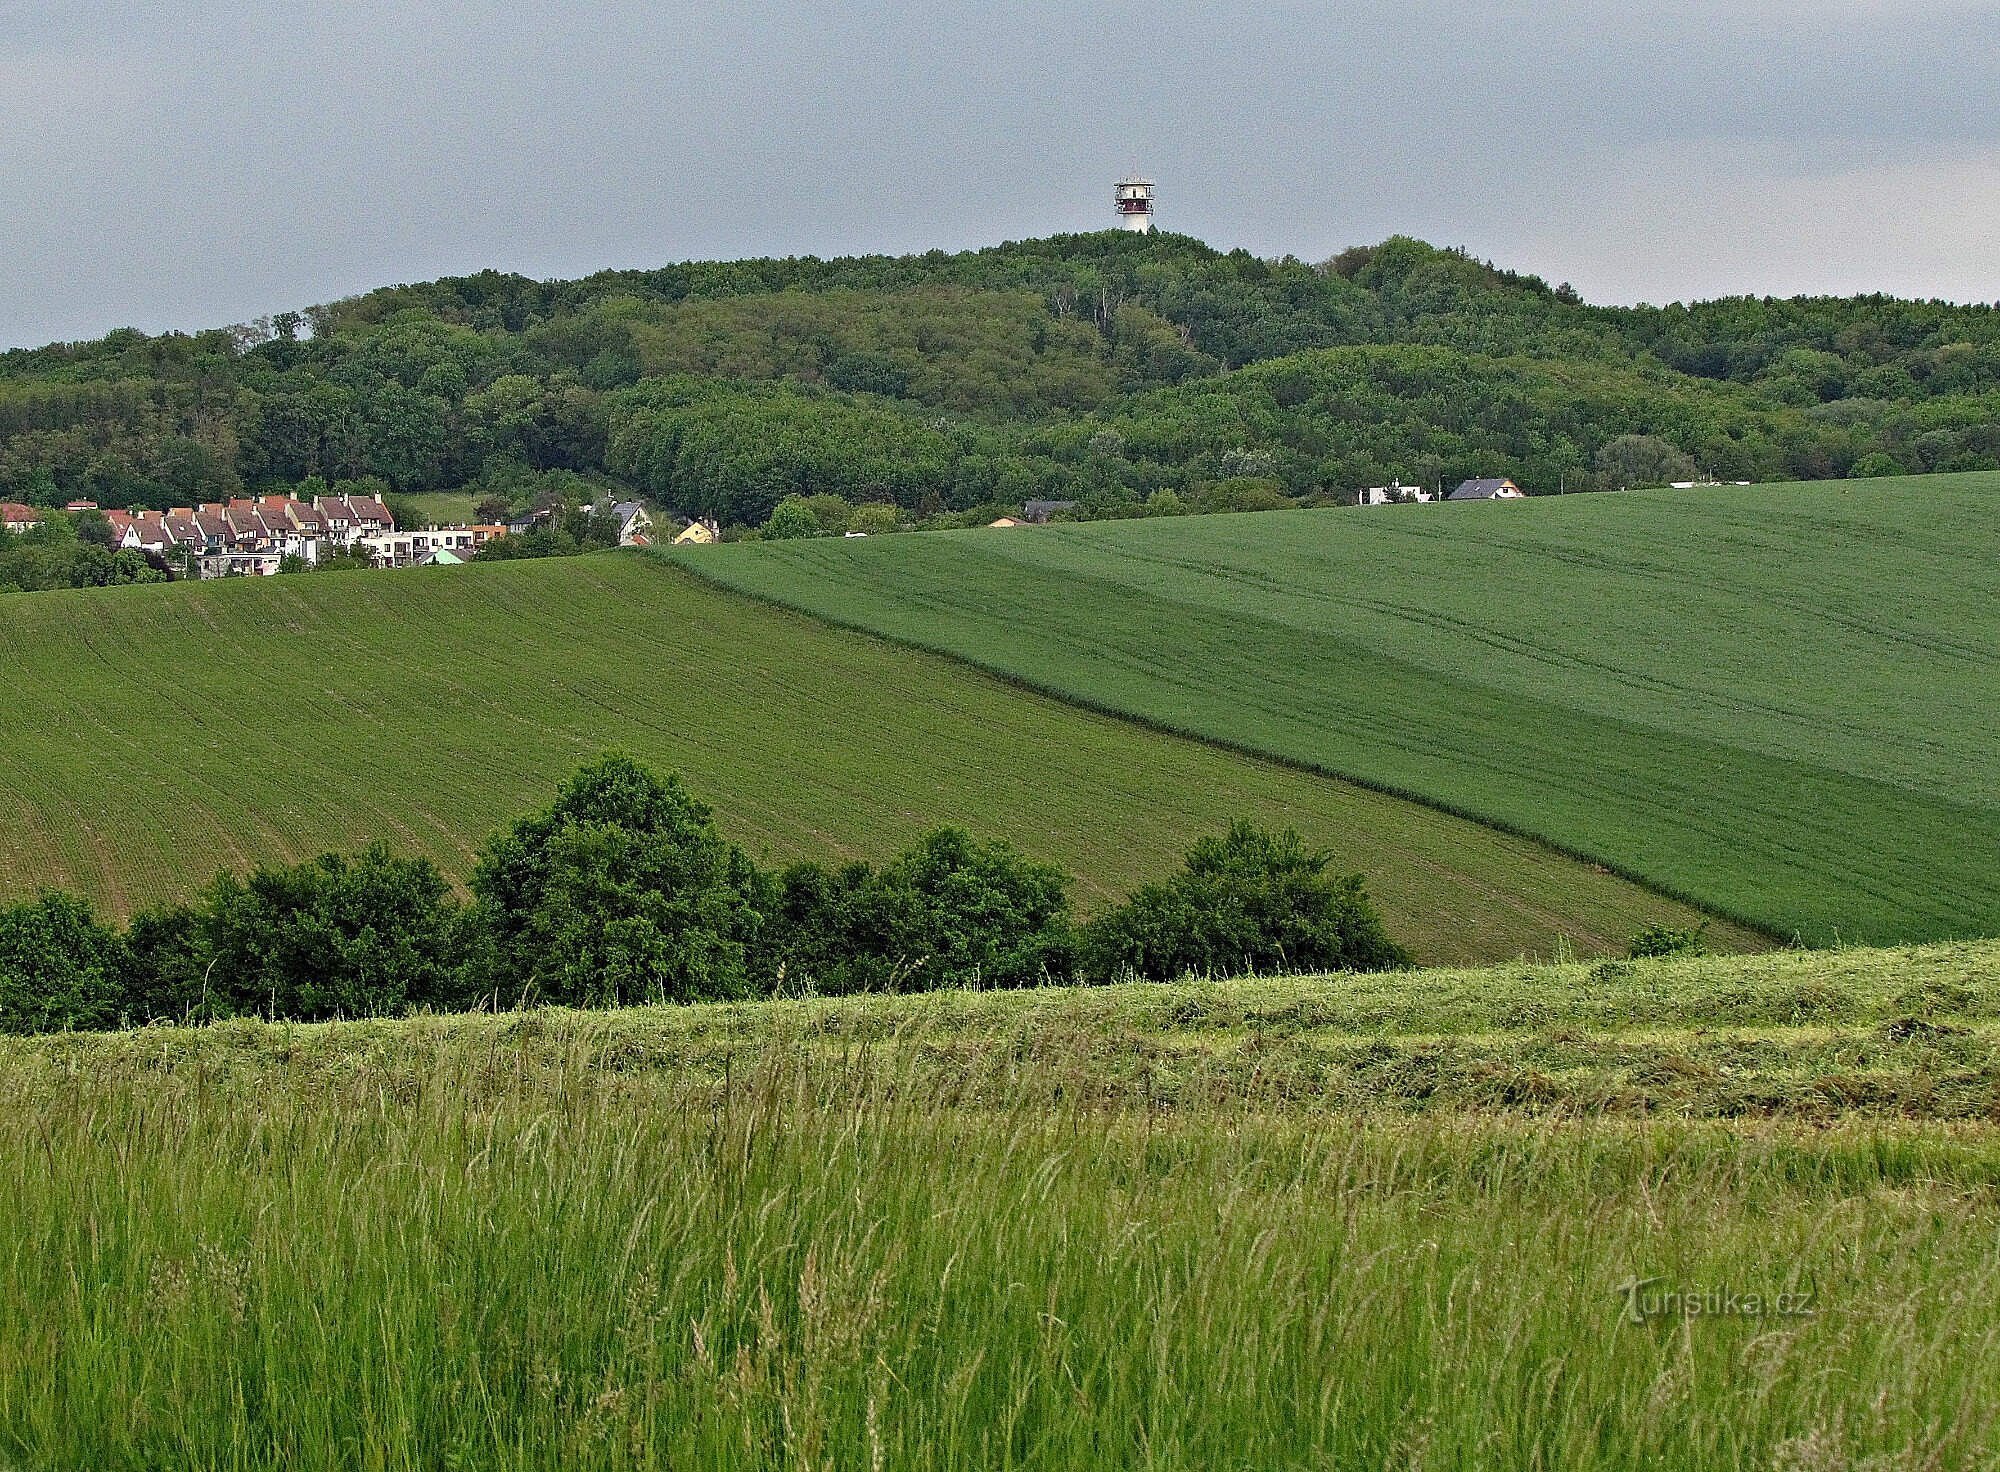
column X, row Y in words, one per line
column 442, row 508
column 153, row 735
column 1775, row 701
column 1289, row 1223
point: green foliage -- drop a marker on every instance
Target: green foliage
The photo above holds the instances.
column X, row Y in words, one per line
column 949, row 912
column 1642, row 460
column 622, row 891
column 70, row 552
column 1662, row 939
column 1769, row 700
column 1249, row 902
column 873, row 518
column 791, row 520
column 59, row 968
column 732, row 452
column 1101, row 367
column 359, row 936
column 169, row 971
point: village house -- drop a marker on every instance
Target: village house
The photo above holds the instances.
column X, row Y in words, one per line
column 419, row 545
column 347, row 518
column 1393, row 494
column 1039, row 512
column 698, row 534
column 1486, row 490
column 635, row 527
column 18, row 518
column 254, row 536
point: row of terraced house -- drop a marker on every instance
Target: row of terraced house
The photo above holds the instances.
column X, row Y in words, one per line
column 252, row 536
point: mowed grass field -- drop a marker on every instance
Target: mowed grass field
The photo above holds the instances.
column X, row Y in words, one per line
column 1696, row 1214
column 1776, row 701
column 150, row 736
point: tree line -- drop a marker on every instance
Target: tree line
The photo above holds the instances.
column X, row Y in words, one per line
column 1103, row 368
column 624, row 891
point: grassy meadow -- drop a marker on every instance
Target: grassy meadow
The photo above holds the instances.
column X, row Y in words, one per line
column 1195, row 1226
column 1774, row 701
column 441, row 508
column 151, row 736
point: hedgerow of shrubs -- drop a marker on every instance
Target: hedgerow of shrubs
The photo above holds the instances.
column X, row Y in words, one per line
column 624, row 891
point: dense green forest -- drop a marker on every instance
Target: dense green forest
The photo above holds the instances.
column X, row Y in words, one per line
column 1126, row 372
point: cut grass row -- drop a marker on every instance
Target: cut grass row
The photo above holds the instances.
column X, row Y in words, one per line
column 1770, row 700
column 151, row 736
column 1811, row 1035
column 979, row 1229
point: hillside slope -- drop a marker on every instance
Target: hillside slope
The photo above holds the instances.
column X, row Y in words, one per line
column 1773, row 700
column 1103, row 367
column 147, row 741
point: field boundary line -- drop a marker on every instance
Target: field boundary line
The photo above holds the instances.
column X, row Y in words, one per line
column 1236, row 748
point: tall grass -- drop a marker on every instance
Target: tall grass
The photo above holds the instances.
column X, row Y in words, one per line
column 545, row 1257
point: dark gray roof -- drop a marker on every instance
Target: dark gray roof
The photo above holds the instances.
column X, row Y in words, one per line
column 1479, row 490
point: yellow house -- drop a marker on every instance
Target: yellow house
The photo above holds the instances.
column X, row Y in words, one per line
column 1007, row 521
column 696, row 534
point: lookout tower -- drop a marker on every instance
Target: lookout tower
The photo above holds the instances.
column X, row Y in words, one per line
column 1135, row 204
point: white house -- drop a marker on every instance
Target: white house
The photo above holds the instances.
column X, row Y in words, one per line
column 1393, row 494
column 635, row 527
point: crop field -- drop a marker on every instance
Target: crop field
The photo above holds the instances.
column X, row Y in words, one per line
column 1734, row 1212
column 1774, row 701
column 149, row 736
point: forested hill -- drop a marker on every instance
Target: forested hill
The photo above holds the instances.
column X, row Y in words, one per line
column 1108, row 368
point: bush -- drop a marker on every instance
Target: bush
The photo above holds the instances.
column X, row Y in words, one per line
column 334, row 937
column 622, row 891
column 793, row 519
column 1661, row 939
column 59, row 969
column 169, row 969
column 1251, row 901
column 950, row 912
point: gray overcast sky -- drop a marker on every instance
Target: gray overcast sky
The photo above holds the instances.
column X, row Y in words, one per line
column 196, row 164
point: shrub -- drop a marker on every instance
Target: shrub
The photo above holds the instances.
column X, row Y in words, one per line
column 951, row 911
column 59, row 969
column 169, row 969
column 1661, row 939
column 622, row 891
column 793, row 519
column 1247, row 902
column 337, row 936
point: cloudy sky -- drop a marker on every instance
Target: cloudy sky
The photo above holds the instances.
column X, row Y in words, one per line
column 192, row 165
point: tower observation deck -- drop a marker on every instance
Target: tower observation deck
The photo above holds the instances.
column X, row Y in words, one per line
column 1134, row 202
